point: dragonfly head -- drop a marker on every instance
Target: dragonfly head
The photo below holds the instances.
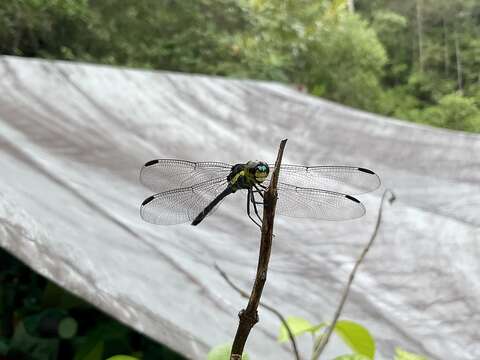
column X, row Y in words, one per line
column 261, row 171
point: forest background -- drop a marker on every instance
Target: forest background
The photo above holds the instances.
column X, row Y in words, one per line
column 417, row 60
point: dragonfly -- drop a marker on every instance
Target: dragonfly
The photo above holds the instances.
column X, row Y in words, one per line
column 187, row 191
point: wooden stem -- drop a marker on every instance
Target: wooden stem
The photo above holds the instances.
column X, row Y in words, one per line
column 268, row 307
column 322, row 340
column 249, row 316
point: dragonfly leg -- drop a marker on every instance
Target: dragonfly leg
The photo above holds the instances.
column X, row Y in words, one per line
column 258, row 191
column 254, row 202
column 250, row 194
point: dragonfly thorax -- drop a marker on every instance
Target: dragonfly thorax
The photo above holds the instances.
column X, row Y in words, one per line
column 245, row 176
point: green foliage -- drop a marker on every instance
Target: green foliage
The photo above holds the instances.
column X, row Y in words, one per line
column 47, row 28
column 297, row 326
column 390, row 27
column 448, row 52
column 23, row 344
column 399, row 102
column 52, row 322
column 345, row 56
column 222, row 352
column 357, row 337
column 190, row 35
column 40, row 321
column 373, row 59
column 122, row 357
column 91, row 353
column 354, row 335
column 401, row 354
column 352, row 357
column 454, row 111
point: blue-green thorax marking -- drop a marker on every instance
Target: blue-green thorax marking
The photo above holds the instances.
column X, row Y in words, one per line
column 245, row 176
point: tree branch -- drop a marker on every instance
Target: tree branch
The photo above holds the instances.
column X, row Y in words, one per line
column 268, row 307
column 322, row 340
column 421, row 60
column 249, row 316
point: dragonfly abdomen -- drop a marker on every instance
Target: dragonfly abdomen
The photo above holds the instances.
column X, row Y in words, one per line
column 210, row 206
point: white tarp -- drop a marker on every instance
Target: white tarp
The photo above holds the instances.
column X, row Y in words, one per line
column 73, row 138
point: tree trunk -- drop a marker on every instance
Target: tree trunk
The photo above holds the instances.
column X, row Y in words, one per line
column 446, row 57
column 351, row 5
column 458, row 56
column 420, row 34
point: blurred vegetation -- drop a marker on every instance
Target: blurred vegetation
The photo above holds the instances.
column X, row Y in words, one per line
column 41, row 321
column 412, row 59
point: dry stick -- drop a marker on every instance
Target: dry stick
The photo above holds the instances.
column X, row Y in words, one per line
column 249, row 316
column 268, row 307
column 322, row 341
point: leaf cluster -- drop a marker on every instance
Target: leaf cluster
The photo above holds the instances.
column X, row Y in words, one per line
column 41, row 321
column 401, row 59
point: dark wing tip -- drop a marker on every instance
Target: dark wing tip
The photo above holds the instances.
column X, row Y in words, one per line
column 366, row 171
column 352, row 198
column 150, row 163
column 147, row 200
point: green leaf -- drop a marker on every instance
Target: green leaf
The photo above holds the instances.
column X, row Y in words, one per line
column 55, row 296
column 318, row 327
column 401, row 354
column 356, row 337
column 222, row 352
column 352, row 357
column 34, row 347
column 108, row 330
column 96, row 352
column 92, row 349
column 67, row 328
column 122, row 357
column 4, row 346
column 297, row 326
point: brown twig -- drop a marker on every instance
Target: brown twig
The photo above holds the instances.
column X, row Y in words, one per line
column 322, row 340
column 268, row 307
column 249, row 316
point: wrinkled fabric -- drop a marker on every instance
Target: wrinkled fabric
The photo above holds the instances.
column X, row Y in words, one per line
column 74, row 136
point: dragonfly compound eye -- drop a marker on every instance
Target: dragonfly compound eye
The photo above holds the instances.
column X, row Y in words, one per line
column 261, row 172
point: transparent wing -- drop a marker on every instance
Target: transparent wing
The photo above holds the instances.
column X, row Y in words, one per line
column 181, row 205
column 302, row 202
column 342, row 179
column 165, row 174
